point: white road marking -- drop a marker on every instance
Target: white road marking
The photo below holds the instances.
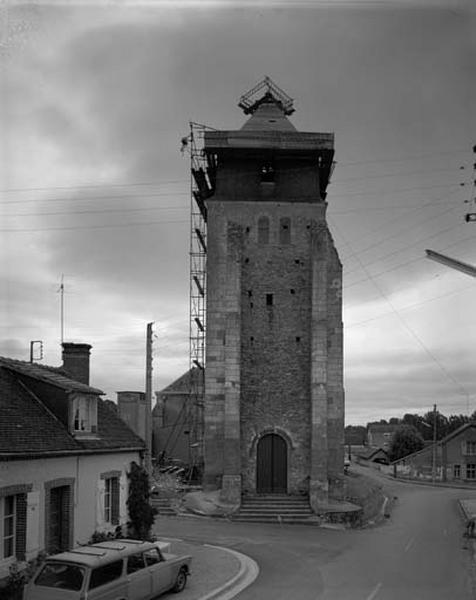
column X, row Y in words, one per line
column 409, row 545
column 375, row 591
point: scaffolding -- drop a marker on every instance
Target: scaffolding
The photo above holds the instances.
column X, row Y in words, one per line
column 202, row 186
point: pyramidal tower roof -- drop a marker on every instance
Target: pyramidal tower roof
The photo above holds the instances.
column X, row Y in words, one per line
column 269, row 110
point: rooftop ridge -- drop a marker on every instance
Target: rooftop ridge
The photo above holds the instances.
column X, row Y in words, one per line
column 249, row 102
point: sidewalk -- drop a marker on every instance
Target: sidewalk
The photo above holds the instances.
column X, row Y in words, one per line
column 217, row 573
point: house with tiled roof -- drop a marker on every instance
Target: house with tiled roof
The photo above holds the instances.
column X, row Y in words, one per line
column 64, row 457
column 379, row 435
column 452, row 458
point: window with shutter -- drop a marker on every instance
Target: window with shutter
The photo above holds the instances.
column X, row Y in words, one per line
column 111, row 500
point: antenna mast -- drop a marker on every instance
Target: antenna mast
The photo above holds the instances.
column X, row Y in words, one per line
column 61, row 291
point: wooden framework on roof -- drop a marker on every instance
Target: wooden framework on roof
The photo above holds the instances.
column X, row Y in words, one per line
column 249, row 101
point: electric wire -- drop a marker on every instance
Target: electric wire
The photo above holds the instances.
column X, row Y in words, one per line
column 459, row 386
column 410, row 306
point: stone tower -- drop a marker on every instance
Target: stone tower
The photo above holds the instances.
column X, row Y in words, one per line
column 274, row 398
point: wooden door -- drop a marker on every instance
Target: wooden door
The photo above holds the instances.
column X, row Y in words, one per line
column 271, row 465
column 59, row 519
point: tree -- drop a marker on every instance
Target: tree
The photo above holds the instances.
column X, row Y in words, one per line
column 456, row 421
column 405, row 440
column 141, row 513
column 441, row 425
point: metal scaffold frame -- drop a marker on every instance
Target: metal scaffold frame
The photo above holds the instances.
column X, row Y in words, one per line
column 202, row 185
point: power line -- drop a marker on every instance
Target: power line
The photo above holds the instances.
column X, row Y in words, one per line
column 408, row 207
column 380, row 258
column 178, row 207
column 412, row 333
column 403, row 159
column 83, row 199
column 79, row 227
column 406, row 230
column 410, row 306
column 96, row 212
column 400, row 173
column 184, row 181
column 91, row 185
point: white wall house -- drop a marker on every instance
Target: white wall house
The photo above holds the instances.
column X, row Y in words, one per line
column 64, row 458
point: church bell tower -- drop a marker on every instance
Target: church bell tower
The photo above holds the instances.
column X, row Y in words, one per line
column 274, row 398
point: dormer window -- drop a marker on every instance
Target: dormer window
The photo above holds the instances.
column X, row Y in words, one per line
column 84, row 414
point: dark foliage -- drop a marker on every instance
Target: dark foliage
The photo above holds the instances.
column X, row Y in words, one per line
column 405, row 440
column 141, row 513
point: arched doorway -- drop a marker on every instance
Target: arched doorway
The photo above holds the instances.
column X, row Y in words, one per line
column 272, row 465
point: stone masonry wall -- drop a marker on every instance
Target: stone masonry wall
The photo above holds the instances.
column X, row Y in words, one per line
column 274, row 339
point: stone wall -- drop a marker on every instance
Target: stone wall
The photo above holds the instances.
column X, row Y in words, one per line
column 277, row 303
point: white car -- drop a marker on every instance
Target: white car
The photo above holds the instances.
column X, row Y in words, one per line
column 110, row 570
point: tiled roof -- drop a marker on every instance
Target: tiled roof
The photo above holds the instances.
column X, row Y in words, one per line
column 381, row 428
column 49, row 375
column 112, row 431
column 28, row 427
column 184, row 382
column 25, row 424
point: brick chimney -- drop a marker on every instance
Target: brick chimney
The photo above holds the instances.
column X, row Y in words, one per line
column 76, row 361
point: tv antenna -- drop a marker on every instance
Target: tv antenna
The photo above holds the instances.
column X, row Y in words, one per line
column 61, row 293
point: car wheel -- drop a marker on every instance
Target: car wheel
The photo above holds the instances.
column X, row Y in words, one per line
column 181, row 581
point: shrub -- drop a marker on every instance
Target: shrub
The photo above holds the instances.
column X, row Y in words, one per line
column 141, row 513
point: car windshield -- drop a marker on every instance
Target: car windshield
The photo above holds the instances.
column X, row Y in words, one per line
column 59, row 575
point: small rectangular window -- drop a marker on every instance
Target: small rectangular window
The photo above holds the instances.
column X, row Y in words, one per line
column 456, row 471
column 470, row 471
column 111, row 500
column 269, row 299
column 470, row 447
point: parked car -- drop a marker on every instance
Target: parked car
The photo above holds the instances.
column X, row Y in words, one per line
column 111, row 570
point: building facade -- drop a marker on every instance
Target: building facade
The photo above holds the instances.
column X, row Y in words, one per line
column 451, row 459
column 175, row 420
column 274, row 398
column 64, row 458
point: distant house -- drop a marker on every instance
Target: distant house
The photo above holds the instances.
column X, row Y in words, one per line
column 377, row 455
column 177, row 418
column 453, row 458
column 64, row 455
column 380, row 435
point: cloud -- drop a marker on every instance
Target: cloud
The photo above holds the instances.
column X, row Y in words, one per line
column 103, row 96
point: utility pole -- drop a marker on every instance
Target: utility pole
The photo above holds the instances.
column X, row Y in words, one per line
column 148, row 400
column 433, row 470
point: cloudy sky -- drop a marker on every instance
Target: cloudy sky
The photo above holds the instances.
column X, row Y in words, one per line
column 95, row 99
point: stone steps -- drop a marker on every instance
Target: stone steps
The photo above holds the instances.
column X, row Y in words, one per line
column 276, row 509
column 163, row 506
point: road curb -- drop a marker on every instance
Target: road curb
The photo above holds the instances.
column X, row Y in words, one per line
column 428, row 483
column 248, row 572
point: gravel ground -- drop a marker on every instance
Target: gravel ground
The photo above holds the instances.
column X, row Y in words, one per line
column 211, row 568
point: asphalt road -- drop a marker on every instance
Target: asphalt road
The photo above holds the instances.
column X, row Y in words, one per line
column 418, row 553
